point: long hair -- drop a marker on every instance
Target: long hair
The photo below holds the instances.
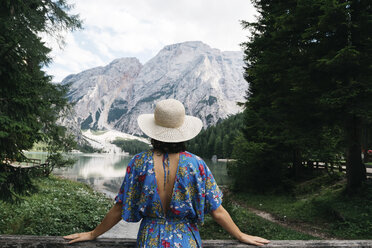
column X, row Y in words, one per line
column 165, row 147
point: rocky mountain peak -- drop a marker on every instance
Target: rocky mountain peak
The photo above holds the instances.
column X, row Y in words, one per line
column 208, row 81
column 188, row 45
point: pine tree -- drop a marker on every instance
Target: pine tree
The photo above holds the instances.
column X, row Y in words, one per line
column 217, row 149
column 226, row 146
column 218, row 139
column 308, row 68
column 341, row 69
column 29, row 103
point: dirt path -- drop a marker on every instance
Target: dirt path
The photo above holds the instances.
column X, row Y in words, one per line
column 297, row 226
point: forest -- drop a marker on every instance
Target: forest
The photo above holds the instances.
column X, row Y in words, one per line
column 217, row 140
column 308, row 105
column 309, row 96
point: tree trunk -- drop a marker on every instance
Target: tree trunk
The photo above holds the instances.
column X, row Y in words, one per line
column 365, row 156
column 297, row 163
column 365, row 136
column 355, row 169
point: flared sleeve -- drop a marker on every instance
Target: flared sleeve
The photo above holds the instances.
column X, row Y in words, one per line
column 129, row 194
column 213, row 194
column 209, row 196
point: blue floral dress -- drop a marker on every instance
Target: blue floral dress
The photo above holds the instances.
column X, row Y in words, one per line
column 195, row 193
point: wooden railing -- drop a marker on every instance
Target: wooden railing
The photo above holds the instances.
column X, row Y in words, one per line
column 15, row 241
column 334, row 166
column 30, row 165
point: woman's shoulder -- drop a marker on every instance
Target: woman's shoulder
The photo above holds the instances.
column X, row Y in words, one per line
column 190, row 157
column 146, row 156
column 142, row 155
column 141, row 158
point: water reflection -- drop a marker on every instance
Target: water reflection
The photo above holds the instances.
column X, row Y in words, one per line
column 96, row 166
column 105, row 172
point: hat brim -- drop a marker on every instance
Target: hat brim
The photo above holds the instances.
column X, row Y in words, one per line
column 190, row 128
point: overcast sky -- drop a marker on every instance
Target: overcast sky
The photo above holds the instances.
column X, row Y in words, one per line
column 140, row 28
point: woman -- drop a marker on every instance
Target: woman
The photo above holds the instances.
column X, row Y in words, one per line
column 167, row 188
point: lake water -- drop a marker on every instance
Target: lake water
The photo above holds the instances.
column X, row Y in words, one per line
column 105, row 173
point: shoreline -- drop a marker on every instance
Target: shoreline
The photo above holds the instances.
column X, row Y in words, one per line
column 59, row 207
column 122, row 229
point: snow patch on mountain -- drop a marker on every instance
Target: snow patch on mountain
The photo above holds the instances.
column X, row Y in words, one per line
column 102, row 140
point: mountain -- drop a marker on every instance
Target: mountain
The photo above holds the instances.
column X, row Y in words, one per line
column 102, row 140
column 207, row 81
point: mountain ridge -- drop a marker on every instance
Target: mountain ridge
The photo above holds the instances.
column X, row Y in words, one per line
column 208, row 81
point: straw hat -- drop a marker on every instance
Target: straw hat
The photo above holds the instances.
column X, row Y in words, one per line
column 169, row 122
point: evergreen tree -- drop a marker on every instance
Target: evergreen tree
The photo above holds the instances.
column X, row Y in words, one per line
column 217, row 149
column 131, row 146
column 305, row 82
column 279, row 116
column 210, row 144
column 226, row 146
column 341, row 70
column 218, row 139
column 29, row 103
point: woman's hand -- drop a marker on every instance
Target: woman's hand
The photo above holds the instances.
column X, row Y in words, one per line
column 222, row 217
column 110, row 220
column 78, row 237
column 253, row 240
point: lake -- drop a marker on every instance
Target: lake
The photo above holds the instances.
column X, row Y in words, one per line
column 105, row 172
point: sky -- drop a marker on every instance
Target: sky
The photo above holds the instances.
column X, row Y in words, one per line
column 141, row 28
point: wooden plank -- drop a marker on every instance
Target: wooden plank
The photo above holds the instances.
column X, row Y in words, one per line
column 23, row 241
column 28, row 163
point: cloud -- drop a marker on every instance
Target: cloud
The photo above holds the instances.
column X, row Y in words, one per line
column 73, row 58
column 123, row 28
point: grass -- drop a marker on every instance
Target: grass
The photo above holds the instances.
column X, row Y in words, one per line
column 249, row 223
column 326, row 206
column 39, row 147
column 60, row 207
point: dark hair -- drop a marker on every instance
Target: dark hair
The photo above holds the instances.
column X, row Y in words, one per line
column 166, row 147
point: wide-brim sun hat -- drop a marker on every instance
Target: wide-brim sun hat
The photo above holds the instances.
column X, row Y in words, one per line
column 169, row 123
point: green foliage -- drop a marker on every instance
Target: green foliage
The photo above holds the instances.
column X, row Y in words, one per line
column 321, row 201
column 131, row 146
column 307, row 96
column 258, row 167
column 249, row 223
column 59, row 208
column 39, row 147
column 86, row 148
column 14, row 183
column 57, row 160
column 29, row 103
column 317, row 182
column 218, row 139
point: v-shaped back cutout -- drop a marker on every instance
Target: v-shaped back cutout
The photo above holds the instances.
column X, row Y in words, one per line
column 165, row 194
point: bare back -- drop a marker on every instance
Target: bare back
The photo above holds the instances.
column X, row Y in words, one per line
column 166, row 192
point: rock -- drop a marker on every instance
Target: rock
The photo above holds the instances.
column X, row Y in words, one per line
column 208, row 81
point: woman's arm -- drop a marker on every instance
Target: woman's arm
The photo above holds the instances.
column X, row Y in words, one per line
column 222, row 217
column 110, row 220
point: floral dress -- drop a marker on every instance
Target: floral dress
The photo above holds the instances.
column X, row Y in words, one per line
column 195, row 193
